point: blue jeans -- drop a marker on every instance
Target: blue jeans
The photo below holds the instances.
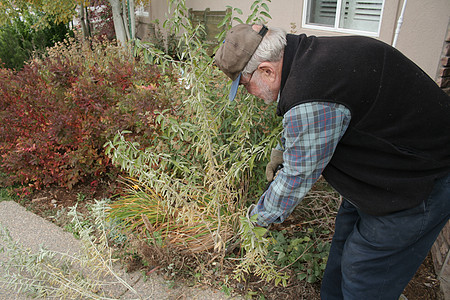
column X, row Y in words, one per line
column 374, row 257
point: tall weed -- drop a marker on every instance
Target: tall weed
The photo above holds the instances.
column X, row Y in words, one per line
column 87, row 274
column 206, row 164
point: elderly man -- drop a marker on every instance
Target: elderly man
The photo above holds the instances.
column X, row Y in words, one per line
column 374, row 125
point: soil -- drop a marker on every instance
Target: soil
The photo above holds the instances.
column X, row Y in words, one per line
column 47, row 202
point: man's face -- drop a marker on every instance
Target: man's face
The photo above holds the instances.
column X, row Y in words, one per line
column 256, row 85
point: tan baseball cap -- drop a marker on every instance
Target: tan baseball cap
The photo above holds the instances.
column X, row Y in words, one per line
column 238, row 47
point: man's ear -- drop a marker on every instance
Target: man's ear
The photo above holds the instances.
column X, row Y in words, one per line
column 267, row 70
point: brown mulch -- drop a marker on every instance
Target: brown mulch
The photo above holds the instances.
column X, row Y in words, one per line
column 424, row 285
column 46, row 203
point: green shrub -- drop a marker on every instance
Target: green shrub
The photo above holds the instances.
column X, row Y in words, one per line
column 20, row 39
column 13, row 50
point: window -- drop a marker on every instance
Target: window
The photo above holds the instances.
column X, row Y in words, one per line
column 360, row 16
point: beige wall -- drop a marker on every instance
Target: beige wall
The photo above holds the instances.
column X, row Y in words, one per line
column 423, row 32
column 421, row 37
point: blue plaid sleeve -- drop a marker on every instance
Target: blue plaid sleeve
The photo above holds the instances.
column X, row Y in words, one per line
column 311, row 133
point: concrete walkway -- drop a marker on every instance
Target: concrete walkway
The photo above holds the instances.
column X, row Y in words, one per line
column 31, row 231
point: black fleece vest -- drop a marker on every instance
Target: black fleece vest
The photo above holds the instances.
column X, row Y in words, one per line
column 398, row 140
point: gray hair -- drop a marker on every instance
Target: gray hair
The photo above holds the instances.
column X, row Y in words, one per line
column 271, row 48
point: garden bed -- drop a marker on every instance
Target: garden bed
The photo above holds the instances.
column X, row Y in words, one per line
column 48, row 201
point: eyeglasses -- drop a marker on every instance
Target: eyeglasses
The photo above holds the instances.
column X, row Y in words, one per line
column 245, row 84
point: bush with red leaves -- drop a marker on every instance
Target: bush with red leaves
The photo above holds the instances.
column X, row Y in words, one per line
column 57, row 113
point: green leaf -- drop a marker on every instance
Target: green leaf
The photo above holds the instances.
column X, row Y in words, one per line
column 255, row 3
column 301, row 276
column 260, row 231
column 277, row 281
column 251, row 17
column 238, row 20
column 265, row 14
column 224, row 21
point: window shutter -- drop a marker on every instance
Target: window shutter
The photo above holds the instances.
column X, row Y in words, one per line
column 369, row 10
column 362, row 14
column 322, row 12
column 328, row 8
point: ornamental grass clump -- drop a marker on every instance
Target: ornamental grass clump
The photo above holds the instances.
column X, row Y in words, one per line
column 189, row 229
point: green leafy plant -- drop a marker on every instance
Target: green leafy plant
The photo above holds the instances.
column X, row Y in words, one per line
column 259, row 15
column 302, row 247
column 305, row 254
column 256, row 260
column 259, row 12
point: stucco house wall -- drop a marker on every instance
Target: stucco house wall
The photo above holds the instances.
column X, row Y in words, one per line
column 421, row 37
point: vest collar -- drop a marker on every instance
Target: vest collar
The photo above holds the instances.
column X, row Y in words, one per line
column 292, row 46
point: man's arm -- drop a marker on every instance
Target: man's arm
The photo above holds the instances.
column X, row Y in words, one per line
column 311, row 133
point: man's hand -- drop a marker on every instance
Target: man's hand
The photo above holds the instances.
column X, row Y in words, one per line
column 276, row 159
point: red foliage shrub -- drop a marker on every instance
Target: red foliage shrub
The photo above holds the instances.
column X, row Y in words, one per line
column 57, row 113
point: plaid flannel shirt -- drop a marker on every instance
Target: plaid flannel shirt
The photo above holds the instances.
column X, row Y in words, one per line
column 311, row 133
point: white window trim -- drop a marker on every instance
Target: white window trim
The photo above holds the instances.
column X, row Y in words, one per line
column 338, row 16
